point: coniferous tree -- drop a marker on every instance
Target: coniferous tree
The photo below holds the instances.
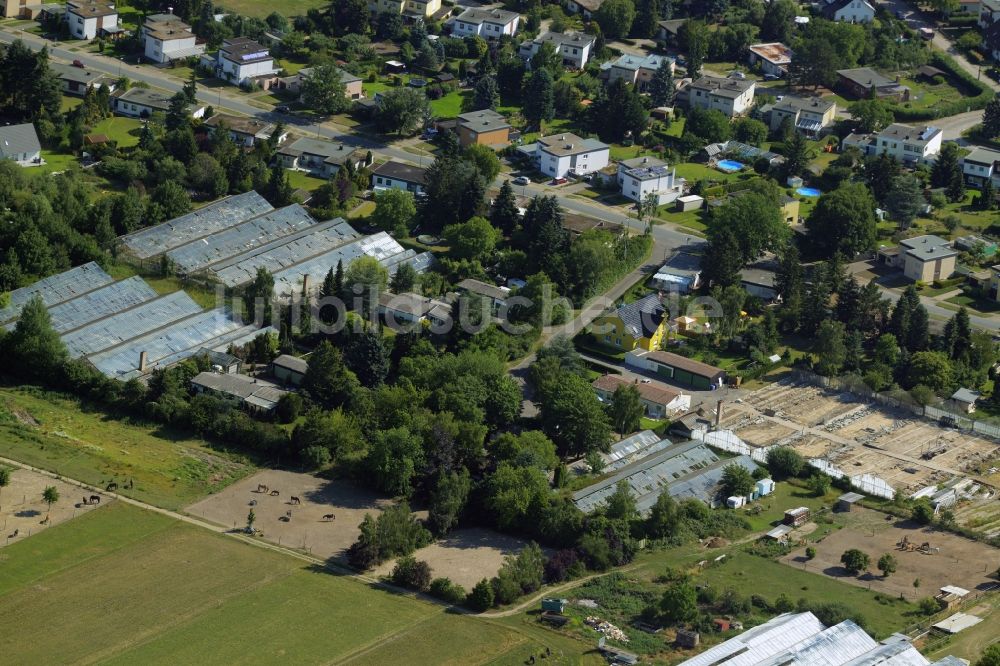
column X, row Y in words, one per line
column 661, row 86
column 504, row 214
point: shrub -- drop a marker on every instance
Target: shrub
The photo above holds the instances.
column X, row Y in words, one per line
column 412, row 573
column 444, row 589
column 481, row 597
column 929, row 606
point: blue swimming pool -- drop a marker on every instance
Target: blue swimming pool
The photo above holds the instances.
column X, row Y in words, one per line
column 729, row 166
column 808, row 192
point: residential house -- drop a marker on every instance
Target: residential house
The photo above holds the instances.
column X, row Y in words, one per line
column 166, row 38
column 494, row 295
column 981, row 164
column 144, row 102
column 77, row 80
column 865, row 83
column 641, row 177
column 399, row 176
column 968, row 7
column 574, row 47
column 635, row 70
column 87, row 19
column 964, row 400
column 410, row 10
column 991, row 41
column 321, row 158
column 677, row 368
column 585, row 8
column 667, row 30
column 989, row 13
column 926, row 258
column 486, row 127
column 733, row 97
column 773, row 58
column 850, row 11
column 409, row 308
column 909, row 144
column 562, row 154
column 14, row 8
column 809, row 115
column 242, row 60
column 681, row 273
column 293, row 83
column 20, row 143
column 761, row 279
column 640, row 324
column 658, row 401
column 243, row 130
column 790, row 209
column 255, row 395
column 485, row 23
column 289, row 370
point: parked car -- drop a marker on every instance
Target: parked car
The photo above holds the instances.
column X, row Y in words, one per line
column 522, row 180
column 738, row 75
column 558, row 181
column 283, row 108
column 77, row 63
column 771, row 77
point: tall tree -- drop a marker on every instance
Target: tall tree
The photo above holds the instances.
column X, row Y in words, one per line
column 504, row 213
column 991, row 118
column 327, row 379
column 615, row 17
column 625, row 409
column 539, row 100
column 33, row 348
column 401, row 110
column 723, row 259
column 661, row 86
column 486, row 94
column 905, row 199
column 843, row 221
column 324, row 90
column 694, row 38
column 947, row 172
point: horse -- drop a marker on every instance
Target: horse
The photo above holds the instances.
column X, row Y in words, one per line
column 261, row 488
column 13, row 535
column 274, row 493
column 94, row 499
column 295, row 500
column 253, row 502
column 85, row 501
column 328, row 517
column 112, row 486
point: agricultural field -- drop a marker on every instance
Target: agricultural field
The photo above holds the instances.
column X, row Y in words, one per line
column 163, row 591
column 58, row 434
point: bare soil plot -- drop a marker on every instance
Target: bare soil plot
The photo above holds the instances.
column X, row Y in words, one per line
column 953, row 560
column 465, row 556
column 23, row 513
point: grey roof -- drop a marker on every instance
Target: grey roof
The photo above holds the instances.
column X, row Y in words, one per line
column 400, row 171
column 284, row 252
column 257, row 392
column 243, row 50
column 928, row 247
column 909, row 132
column 221, row 358
column 723, row 87
column 851, row 498
column 682, row 263
column 793, row 103
column 569, row 144
column 165, row 346
column 293, row 363
column 146, row 97
column 760, row 642
column 78, row 74
column 568, row 38
column 16, row 139
column 477, row 16
column 982, row 155
column 483, row 289
column 224, row 213
column 345, row 76
column 834, row 6
column 57, row 288
column 96, row 304
column 645, row 168
column 866, row 77
column 632, row 448
column 642, row 317
column 831, row 647
column 333, row 153
column 414, row 305
column 116, row 329
column 486, row 120
column 965, row 395
column 245, row 237
column 634, row 63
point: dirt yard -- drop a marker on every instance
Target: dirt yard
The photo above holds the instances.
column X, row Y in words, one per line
column 957, row 561
column 466, row 556
column 22, row 510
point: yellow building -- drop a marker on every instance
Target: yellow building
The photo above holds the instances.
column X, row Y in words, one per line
column 638, row 325
column 410, row 8
column 790, row 209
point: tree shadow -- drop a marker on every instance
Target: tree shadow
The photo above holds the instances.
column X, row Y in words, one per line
column 28, row 513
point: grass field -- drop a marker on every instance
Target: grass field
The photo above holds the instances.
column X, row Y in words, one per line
column 123, row 130
column 57, row 434
column 287, row 8
column 126, row 586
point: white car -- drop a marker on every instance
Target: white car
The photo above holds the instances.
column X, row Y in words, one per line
column 522, row 180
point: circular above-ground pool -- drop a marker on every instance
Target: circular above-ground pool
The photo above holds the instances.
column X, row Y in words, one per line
column 729, row 166
column 808, row 192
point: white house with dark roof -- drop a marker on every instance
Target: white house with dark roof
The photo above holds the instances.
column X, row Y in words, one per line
column 585, row 8
column 640, row 177
column 989, row 13
column 242, row 59
column 87, row 19
column 635, row 70
column 243, row 130
column 165, row 38
column 399, row 176
column 485, row 23
column 144, row 102
column 733, row 97
column 559, row 154
column 574, row 47
column 497, row 296
column 321, row 158
column 981, row 164
column 849, row 11
column 20, row 143
column 907, row 143
column 809, row 115
column 77, row 80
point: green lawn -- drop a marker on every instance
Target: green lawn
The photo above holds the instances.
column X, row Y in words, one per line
column 55, row 162
column 123, row 130
column 70, row 103
column 302, row 180
column 693, row 171
column 169, row 469
column 125, row 586
column 287, row 8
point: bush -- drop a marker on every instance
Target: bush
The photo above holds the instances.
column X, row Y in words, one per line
column 412, row 573
column 316, row 457
column 481, row 597
column 929, row 606
column 974, row 95
column 445, row 590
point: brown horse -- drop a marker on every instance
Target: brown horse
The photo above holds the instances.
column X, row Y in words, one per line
column 112, row 486
column 274, row 493
column 94, row 499
column 261, row 488
column 328, row 517
column 295, row 500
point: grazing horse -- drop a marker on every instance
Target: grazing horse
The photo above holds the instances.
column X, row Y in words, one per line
column 274, row 493
column 13, row 535
column 328, row 517
column 95, row 499
column 85, row 500
column 295, row 500
column 261, row 488
column 112, row 486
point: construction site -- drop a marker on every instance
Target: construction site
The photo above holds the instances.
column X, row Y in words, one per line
column 881, row 449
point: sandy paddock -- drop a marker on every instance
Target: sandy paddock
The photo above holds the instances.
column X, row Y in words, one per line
column 962, row 562
column 466, row 556
column 22, row 509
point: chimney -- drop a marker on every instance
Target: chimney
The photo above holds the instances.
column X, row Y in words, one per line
column 305, row 285
column 142, row 361
column 718, row 413
column 645, row 160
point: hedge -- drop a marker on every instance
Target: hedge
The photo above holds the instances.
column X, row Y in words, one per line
column 984, row 94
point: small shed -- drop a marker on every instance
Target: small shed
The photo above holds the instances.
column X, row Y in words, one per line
column 964, row 400
column 950, row 596
column 689, row 202
column 957, row 623
column 722, row 624
column 394, row 66
column 765, row 487
column 847, row 501
column 779, row 533
column 555, row 605
column 687, row 639
column 735, row 501
column 289, row 369
column 796, row 517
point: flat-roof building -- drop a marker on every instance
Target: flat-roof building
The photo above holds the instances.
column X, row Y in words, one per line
column 678, row 368
column 773, row 58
